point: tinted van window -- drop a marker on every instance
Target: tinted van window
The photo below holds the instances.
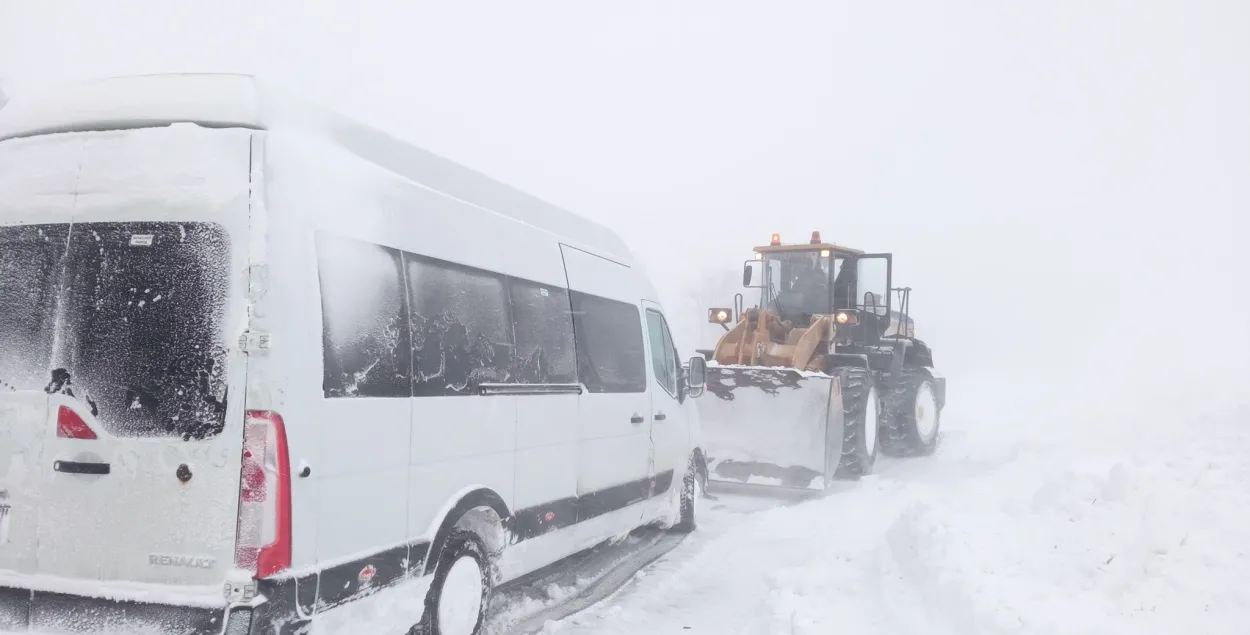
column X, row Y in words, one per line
column 139, row 320
column 461, row 328
column 364, row 319
column 610, row 356
column 545, row 353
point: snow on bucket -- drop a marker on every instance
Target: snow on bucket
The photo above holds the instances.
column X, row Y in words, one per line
column 771, row 426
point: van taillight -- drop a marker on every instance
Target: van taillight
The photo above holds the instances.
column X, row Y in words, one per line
column 71, row 426
column 264, row 535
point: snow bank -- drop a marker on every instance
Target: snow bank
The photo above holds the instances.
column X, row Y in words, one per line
column 1145, row 541
column 1026, row 522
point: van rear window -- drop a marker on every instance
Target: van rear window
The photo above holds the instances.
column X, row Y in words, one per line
column 126, row 317
column 32, row 259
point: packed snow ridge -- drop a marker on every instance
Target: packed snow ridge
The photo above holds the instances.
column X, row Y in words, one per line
column 1086, row 524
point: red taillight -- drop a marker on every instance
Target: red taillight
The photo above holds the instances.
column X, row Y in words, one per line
column 252, row 488
column 71, row 426
column 263, row 544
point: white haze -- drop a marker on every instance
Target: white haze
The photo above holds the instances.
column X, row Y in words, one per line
column 1065, row 184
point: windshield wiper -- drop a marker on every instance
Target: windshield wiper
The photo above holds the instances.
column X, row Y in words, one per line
column 776, row 299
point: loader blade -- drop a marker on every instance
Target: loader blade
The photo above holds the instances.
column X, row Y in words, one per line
column 771, row 426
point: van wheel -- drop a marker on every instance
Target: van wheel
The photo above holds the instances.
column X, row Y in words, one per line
column 692, row 487
column 460, row 593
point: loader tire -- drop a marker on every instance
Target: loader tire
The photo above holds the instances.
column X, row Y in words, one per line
column 861, row 406
column 912, row 416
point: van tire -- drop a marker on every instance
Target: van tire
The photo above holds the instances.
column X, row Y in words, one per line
column 692, row 486
column 461, row 549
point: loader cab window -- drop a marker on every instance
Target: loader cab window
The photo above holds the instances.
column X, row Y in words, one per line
column 796, row 284
column 844, row 284
column 872, row 285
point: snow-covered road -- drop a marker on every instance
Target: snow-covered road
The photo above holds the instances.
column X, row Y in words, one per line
column 1100, row 520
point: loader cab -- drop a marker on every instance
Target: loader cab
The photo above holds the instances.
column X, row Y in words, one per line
column 796, row 284
column 799, row 281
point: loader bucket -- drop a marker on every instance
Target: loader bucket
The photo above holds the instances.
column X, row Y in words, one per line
column 771, row 426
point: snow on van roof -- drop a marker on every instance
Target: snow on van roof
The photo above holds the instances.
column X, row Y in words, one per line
column 243, row 101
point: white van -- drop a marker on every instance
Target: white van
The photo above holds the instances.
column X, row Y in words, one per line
column 266, row 370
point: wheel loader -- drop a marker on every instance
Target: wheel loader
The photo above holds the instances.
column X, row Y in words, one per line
column 823, row 374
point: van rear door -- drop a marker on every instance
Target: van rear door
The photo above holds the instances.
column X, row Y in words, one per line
column 31, row 263
column 118, row 371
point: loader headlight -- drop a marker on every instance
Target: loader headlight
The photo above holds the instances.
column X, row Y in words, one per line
column 844, row 318
column 719, row 316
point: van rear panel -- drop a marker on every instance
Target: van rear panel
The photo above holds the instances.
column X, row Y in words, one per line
column 122, row 279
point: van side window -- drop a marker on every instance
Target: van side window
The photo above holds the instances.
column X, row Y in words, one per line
column 364, row 319
column 545, row 353
column 663, row 358
column 670, row 350
column 610, row 355
column 461, row 327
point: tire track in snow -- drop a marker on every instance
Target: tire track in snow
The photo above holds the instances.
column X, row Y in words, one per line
column 942, row 599
column 800, row 569
column 607, row 583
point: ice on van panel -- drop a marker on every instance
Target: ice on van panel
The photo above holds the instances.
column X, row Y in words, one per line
column 177, row 168
column 379, row 354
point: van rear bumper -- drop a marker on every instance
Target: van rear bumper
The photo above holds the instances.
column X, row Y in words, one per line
column 23, row 610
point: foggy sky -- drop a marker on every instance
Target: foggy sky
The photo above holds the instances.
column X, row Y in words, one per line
column 1065, row 184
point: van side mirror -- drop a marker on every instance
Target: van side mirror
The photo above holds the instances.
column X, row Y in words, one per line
column 749, row 273
column 696, row 377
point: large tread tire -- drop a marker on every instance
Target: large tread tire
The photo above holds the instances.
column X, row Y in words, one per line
column 460, row 544
column 913, row 418
column 860, row 403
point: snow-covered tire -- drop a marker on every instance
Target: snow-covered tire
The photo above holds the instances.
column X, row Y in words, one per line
column 692, row 487
column 459, row 595
column 861, row 419
column 913, row 419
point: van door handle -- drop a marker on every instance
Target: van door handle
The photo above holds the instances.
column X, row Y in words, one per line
column 660, row 416
column 636, row 419
column 77, row 467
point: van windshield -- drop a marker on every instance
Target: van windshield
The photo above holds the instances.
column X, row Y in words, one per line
column 125, row 317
